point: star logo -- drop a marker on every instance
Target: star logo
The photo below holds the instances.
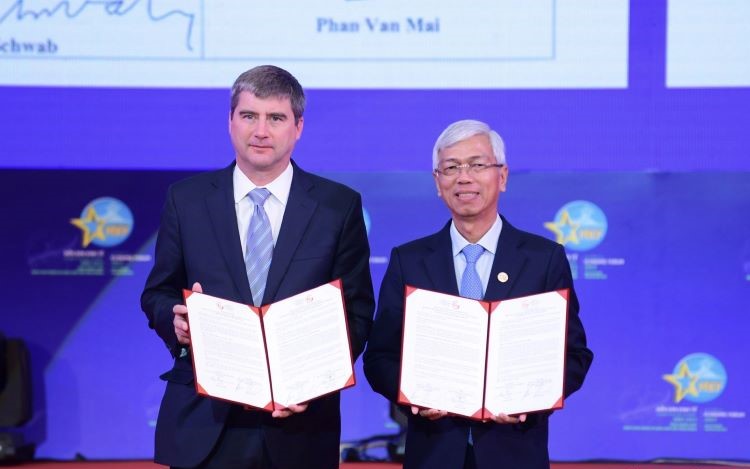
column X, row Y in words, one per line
column 579, row 225
column 91, row 225
column 566, row 230
column 684, row 382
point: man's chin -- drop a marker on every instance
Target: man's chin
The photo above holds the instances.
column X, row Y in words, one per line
column 262, row 162
column 261, row 158
column 471, row 207
column 464, row 214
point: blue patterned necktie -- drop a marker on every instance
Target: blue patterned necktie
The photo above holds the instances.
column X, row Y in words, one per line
column 259, row 246
column 471, row 284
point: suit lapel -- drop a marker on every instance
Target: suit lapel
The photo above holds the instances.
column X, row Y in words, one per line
column 509, row 259
column 299, row 210
column 220, row 204
column 439, row 263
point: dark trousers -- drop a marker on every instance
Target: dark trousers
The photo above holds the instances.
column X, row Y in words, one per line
column 469, row 461
column 240, row 445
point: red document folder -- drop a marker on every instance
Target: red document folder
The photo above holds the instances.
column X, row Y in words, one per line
column 273, row 356
column 477, row 358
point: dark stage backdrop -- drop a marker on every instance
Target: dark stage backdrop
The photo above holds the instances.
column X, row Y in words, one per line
column 627, row 142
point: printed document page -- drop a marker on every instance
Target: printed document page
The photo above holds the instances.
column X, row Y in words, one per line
column 308, row 345
column 228, row 352
column 526, row 355
column 444, row 346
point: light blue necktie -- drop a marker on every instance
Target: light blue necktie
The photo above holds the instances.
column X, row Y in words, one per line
column 471, row 284
column 259, row 246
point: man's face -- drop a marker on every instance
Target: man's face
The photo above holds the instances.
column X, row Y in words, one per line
column 263, row 134
column 470, row 196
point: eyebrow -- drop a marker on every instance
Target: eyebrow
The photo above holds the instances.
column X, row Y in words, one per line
column 456, row 160
column 246, row 112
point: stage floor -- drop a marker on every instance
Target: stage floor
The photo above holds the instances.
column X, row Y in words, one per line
column 150, row 465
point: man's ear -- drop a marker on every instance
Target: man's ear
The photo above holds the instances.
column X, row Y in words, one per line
column 503, row 178
column 300, row 124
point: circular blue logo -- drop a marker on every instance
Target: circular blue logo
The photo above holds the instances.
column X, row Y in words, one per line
column 579, row 225
column 698, row 377
column 105, row 222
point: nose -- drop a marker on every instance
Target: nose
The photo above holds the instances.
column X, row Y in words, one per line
column 465, row 175
column 261, row 128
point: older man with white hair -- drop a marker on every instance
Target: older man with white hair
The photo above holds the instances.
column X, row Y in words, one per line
column 477, row 254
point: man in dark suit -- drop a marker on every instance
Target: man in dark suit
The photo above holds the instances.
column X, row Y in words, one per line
column 470, row 173
column 255, row 232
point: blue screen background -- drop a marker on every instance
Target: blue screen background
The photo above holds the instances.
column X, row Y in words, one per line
column 668, row 167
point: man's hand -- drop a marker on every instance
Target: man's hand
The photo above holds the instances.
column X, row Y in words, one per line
column 502, row 418
column 430, row 414
column 292, row 409
column 181, row 328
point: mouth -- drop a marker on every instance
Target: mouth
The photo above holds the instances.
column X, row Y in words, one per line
column 465, row 195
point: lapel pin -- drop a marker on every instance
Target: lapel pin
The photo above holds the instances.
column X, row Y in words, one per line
column 502, row 277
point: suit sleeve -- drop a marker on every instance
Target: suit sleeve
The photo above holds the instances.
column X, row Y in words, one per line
column 383, row 355
column 352, row 265
column 164, row 285
column 578, row 357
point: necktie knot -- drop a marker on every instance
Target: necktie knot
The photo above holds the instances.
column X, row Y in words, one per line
column 472, row 252
column 259, row 196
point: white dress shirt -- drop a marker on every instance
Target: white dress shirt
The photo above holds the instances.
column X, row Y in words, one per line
column 484, row 263
column 275, row 204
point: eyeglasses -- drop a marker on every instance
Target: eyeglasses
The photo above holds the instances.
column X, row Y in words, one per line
column 473, row 168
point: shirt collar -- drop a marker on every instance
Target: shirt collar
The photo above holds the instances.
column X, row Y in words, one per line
column 279, row 187
column 488, row 241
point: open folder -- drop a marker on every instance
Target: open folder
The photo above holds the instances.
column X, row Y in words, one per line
column 477, row 358
column 273, row 356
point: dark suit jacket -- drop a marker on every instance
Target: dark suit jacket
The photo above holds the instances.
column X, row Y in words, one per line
column 322, row 237
column 534, row 265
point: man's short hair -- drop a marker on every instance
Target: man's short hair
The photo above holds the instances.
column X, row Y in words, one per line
column 464, row 129
column 267, row 81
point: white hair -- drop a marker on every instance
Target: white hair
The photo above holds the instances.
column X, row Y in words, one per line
column 464, row 129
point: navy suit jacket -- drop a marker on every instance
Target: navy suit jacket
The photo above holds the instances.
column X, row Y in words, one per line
column 534, row 265
column 322, row 238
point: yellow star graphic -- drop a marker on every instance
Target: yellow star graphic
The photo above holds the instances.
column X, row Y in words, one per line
column 684, row 383
column 85, row 223
column 561, row 227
